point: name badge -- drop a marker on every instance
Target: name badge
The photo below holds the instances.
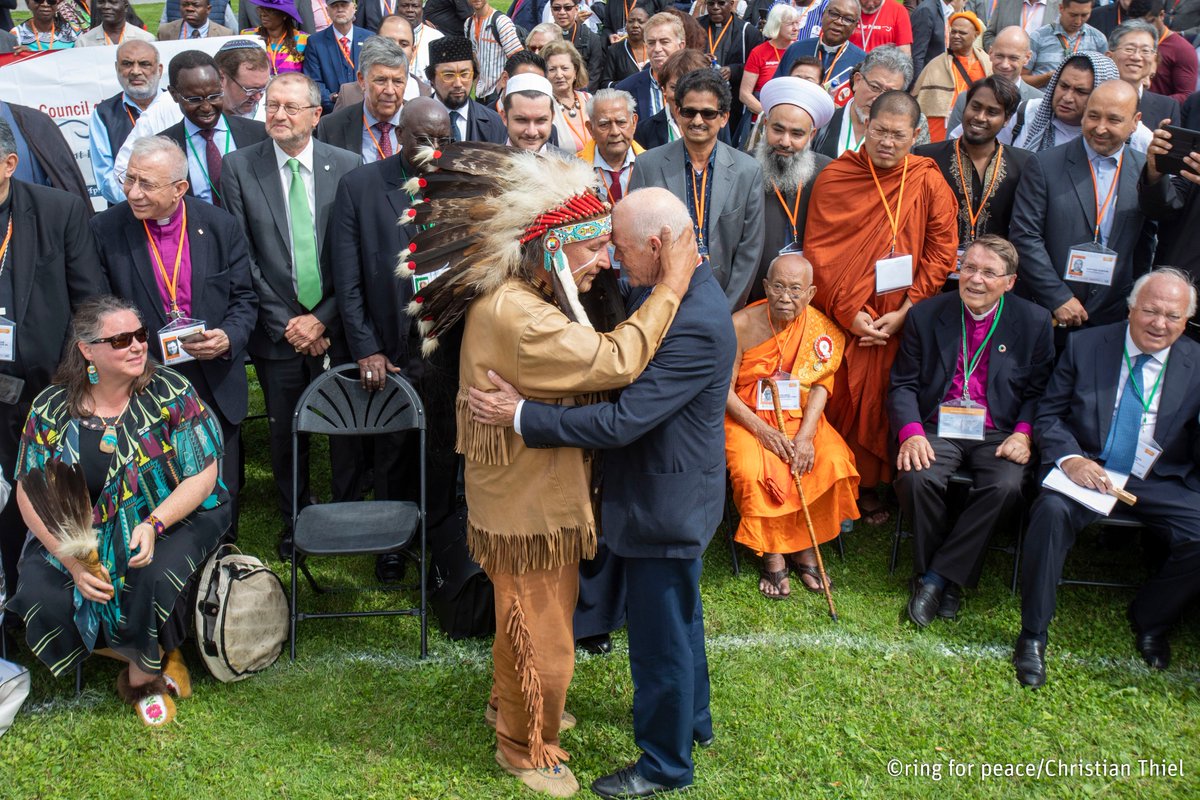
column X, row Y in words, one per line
column 8, row 339
column 1147, row 454
column 789, row 396
column 1091, row 263
column 421, row 281
column 961, row 419
column 895, row 272
column 953, row 276
column 172, row 338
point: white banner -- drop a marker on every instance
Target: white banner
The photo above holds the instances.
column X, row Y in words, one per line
column 68, row 84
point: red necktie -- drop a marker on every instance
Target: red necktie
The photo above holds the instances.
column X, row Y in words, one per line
column 614, row 190
column 345, row 43
column 213, row 156
column 385, row 137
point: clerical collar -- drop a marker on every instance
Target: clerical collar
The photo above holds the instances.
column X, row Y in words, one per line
column 170, row 219
column 981, row 317
column 830, row 48
column 602, row 162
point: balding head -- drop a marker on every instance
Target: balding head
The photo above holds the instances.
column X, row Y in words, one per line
column 139, row 70
column 789, row 286
column 1160, row 305
column 424, row 122
column 1110, row 116
column 1010, row 53
column 892, row 128
column 641, row 221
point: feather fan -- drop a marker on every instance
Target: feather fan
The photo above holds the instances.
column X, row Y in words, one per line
column 60, row 497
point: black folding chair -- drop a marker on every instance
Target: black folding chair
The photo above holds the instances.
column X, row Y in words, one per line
column 1121, row 520
column 335, row 404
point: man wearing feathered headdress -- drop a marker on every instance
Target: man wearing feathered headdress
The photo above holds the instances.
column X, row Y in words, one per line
column 513, row 238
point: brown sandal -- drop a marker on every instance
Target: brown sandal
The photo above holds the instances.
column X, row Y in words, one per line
column 776, row 579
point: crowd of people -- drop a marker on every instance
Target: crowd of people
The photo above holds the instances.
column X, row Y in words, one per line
column 832, row 258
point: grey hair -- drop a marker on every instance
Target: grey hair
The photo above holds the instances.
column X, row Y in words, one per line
column 151, row 146
column 609, row 95
column 781, row 14
column 551, row 29
column 310, row 86
column 380, row 52
column 1132, row 26
column 891, row 58
column 1167, row 272
column 656, row 208
column 8, row 142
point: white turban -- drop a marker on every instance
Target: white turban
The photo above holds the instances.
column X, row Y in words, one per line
column 801, row 93
column 528, row 82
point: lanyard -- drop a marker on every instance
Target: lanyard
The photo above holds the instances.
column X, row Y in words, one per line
column 1166, row 33
column 1073, row 48
column 987, row 195
column 893, row 219
column 837, row 57
column 971, row 362
column 201, row 161
column 1149, row 401
column 581, row 136
column 172, row 283
column 344, row 47
column 699, row 200
column 615, row 180
column 276, row 48
column 850, row 132
column 1102, row 210
column 4, row 247
column 122, row 38
column 633, row 57
column 374, row 141
column 1026, row 12
column 788, row 341
column 964, row 74
column 793, row 212
column 712, row 46
column 128, row 113
column 866, row 38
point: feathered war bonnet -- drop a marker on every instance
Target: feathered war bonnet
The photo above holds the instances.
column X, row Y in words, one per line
column 483, row 206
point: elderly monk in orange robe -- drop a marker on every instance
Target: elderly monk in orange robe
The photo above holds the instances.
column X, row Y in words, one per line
column 782, row 337
column 870, row 209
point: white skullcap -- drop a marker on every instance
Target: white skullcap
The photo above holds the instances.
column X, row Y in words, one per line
column 529, row 82
column 798, row 92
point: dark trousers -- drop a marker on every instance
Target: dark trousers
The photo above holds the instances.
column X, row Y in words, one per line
column 668, row 665
column 12, row 527
column 283, row 380
column 956, row 553
column 1165, row 506
column 601, row 605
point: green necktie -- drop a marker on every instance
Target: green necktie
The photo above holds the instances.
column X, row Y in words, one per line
column 304, row 241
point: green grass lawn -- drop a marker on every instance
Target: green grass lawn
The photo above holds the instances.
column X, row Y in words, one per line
column 803, row 707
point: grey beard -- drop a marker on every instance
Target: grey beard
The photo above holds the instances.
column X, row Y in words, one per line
column 786, row 172
column 149, row 93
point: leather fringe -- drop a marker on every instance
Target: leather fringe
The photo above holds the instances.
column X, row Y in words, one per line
column 517, row 553
column 541, row 754
column 486, row 444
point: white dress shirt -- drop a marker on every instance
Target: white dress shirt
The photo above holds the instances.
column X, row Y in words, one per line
column 197, row 157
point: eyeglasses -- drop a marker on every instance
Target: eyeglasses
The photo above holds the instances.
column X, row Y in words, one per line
column 563, row 8
column 435, row 142
column 888, row 136
column 836, row 17
column 874, row 86
column 447, row 75
column 1130, row 50
column 119, row 341
column 257, row 91
column 212, row 99
column 707, row 114
column 779, row 290
column 987, row 274
column 129, row 181
column 291, row 109
column 44, row 2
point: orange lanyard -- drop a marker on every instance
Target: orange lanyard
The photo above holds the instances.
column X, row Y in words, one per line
column 832, row 64
column 610, row 182
column 276, row 48
column 4, row 247
column 581, row 136
column 792, row 213
column 1027, row 9
column 712, row 46
column 636, row 60
column 172, row 283
column 128, row 113
column 1102, row 210
column 893, row 219
column 987, row 195
column 389, row 7
column 699, row 199
column 1074, row 48
column 110, row 41
column 792, row 328
column 1166, row 33
column 574, row 30
column 778, row 53
column 345, row 48
column 374, row 141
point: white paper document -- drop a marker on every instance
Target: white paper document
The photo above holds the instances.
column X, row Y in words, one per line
column 1089, row 498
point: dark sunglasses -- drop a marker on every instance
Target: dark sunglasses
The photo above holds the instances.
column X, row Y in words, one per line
column 120, row 341
column 43, row 2
column 707, row 114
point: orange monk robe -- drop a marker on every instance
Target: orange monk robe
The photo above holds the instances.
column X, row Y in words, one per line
column 846, row 233
column 766, row 496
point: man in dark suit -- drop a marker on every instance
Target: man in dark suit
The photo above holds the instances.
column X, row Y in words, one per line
column 371, row 130
column 721, row 186
column 331, row 56
column 1007, row 360
column 206, row 134
column 664, row 36
column 1060, row 207
column 663, row 493
column 213, row 283
column 1171, row 201
column 52, row 268
column 929, row 33
column 44, row 157
column 280, row 191
column 1122, row 401
column 451, row 72
column 1133, row 47
column 662, row 127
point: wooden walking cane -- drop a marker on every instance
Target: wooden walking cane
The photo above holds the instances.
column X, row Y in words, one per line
column 812, row 534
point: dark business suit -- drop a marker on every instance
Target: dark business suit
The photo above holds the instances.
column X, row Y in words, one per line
column 824, row 141
column 777, row 228
column 343, row 129
column 369, row 15
column 1074, row 418
column 1020, row 357
column 254, row 195
column 222, row 295
column 1055, row 209
column 929, row 34
column 591, row 50
column 326, row 64
column 54, row 269
column 483, row 124
column 735, row 220
column 662, row 499
column 1174, row 203
column 244, row 133
column 1154, row 108
column 638, row 85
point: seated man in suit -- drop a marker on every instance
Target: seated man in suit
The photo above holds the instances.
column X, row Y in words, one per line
column 993, row 378
column 331, row 56
column 664, row 36
column 370, row 130
column 194, row 22
column 721, row 187
column 207, row 134
column 1123, row 401
column 451, row 72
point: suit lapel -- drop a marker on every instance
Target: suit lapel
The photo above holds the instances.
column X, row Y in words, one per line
column 1081, row 179
column 143, row 269
column 324, row 187
column 674, row 164
column 267, row 175
column 1108, row 356
column 949, row 339
column 1174, row 390
column 24, row 248
column 396, row 196
column 722, row 191
column 1009, row 337
column 201, row 254
column 1125, row 205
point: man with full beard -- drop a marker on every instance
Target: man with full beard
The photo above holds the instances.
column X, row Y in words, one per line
column 138, row 72
column 793, row 109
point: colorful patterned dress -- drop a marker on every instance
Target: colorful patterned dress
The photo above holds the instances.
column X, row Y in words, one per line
column 281, row 58
column 165, row 436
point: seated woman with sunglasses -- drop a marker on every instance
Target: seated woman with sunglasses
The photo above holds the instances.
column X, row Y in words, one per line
column 149, row 451
column 48, row 27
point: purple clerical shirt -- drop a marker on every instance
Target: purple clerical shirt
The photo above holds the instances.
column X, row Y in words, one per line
column 167, row 238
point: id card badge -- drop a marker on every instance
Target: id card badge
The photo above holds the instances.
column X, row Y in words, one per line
column 957, row 264
column 1091, row 263
column 421, row 281
column 173, row 335
column 893, row 273
column 1143, row 461
column 8, row 339
column 961, row 419
column 789, row 396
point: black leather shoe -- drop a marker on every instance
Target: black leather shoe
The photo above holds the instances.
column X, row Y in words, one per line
column 627, row 783
column 951, row 602
column 596, row 645
column 285, row 545
column 1029, row 658
column 390, row 567
column 923, row 605
column 1155, row 649
column 706, row 743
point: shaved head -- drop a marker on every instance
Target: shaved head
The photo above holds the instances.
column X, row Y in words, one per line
column 790, row 268
column 898, row 102
column 1110, row 116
